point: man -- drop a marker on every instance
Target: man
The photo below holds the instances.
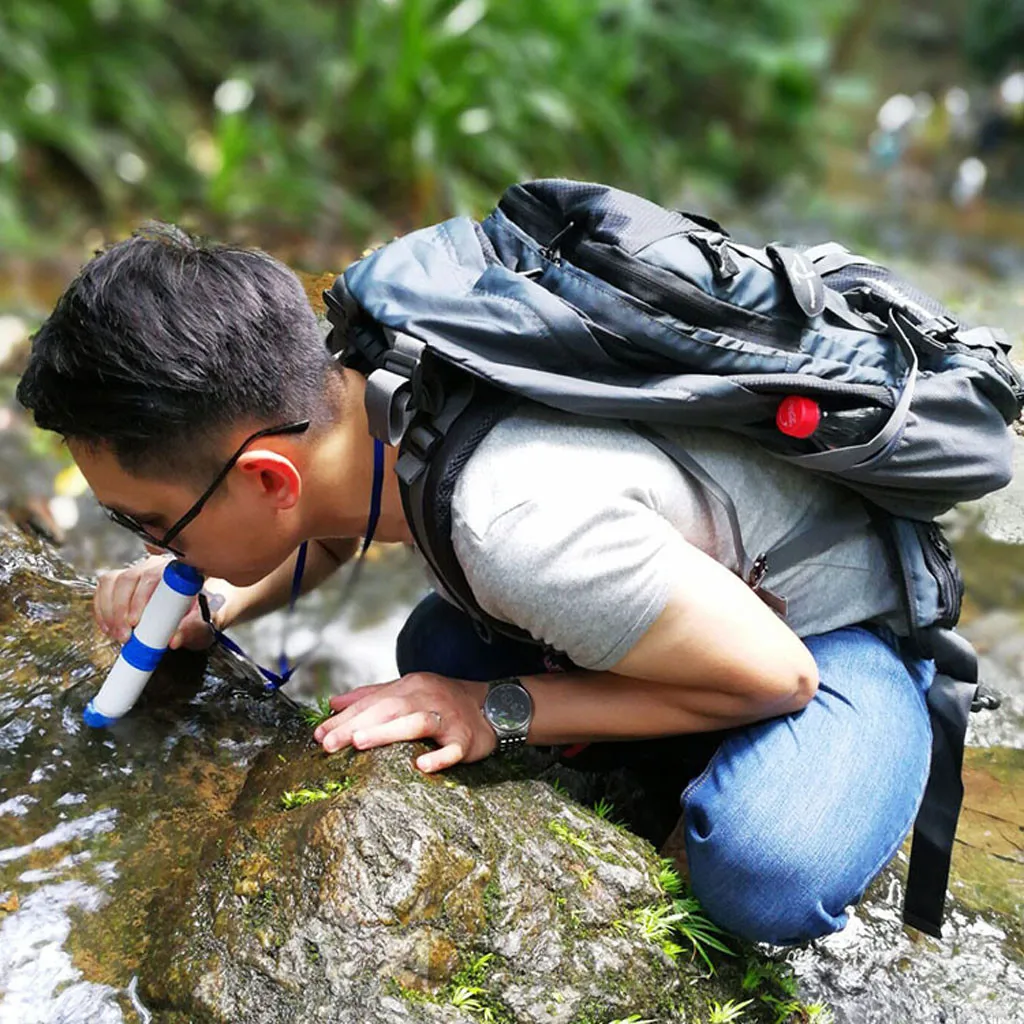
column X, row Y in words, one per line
column 196, row 395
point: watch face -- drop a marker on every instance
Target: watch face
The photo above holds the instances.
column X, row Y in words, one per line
column 509, row 707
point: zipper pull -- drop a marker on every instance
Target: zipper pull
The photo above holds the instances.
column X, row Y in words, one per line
column 551, row 251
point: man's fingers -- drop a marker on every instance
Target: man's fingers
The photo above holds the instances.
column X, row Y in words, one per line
column 101, row 600
column 336, row 732
column 436, row 760
column 416, row 726
column 193, row 634
column 343, row 700
column 140, row 598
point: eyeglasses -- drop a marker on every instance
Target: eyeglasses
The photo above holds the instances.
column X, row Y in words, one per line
column 129, row 522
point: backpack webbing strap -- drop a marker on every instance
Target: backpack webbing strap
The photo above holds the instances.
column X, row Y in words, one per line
column 831, row 256
column 689, row 465
column 842, row 459
column 793, row 549
column 949, row 703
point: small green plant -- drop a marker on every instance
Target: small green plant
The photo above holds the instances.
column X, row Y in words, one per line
column 774, row 986
column 819, row 1013
column 698, row 929
column 604, row 809
column 669, row 879
column 319, row 712
column 466, row 997
column 663, row 923
column 560, row 829
column 467, row 991
column 728, row 1012
column 559, row 787
column 300, row 797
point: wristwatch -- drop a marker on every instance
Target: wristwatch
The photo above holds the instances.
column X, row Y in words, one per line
column 508, row 709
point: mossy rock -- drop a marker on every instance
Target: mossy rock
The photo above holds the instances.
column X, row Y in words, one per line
column 371, row 903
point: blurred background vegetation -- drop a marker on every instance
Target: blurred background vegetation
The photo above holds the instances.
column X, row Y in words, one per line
column 327, row 123
column 315, row 127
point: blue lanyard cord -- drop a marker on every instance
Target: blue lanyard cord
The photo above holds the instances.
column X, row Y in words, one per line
column 275, row 680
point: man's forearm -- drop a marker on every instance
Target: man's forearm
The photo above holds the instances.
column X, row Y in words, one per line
column 242, row 604
column 586, row 706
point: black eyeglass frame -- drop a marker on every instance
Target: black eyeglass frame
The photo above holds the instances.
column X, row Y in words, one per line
column 129, row 522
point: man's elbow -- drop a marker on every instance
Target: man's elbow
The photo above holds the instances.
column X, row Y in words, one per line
column 795, row 687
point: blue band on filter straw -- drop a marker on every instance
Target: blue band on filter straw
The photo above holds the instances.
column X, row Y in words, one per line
column 93, row 718
column 183, row 578
column 140, row 655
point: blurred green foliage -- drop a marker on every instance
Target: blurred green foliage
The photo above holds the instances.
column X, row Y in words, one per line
column 335, row 118
column 994, row 35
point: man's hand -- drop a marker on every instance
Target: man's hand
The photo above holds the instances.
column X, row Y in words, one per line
column 418, row 706
column 122, row 596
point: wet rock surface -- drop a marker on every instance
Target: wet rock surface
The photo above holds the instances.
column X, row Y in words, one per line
column 161, row 851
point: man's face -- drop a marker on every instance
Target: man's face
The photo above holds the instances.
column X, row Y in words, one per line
column 239, row 535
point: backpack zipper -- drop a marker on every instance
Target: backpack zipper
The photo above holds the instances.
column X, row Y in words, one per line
column 692, row 304
column 950, row 587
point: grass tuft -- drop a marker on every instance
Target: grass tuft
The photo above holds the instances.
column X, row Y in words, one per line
column 301, row 797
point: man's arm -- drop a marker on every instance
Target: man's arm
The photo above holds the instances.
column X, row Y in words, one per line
column 716, row 657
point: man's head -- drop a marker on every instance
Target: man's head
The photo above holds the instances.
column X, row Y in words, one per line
column 162, row 355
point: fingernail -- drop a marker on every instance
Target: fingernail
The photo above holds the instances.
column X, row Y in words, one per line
column 330, row 743
column 357, row 739
column 318, row 734
column 123, row 635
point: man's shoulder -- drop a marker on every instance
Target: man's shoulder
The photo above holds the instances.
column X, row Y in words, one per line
column 548, row 459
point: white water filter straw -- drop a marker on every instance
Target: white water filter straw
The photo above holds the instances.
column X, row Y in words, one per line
column 171, row 600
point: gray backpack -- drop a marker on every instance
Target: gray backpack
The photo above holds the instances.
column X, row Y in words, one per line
column 600, row 303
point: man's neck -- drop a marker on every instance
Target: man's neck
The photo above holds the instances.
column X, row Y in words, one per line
column 338, row 482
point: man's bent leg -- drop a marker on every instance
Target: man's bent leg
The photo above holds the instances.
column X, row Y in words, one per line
column 793, row 817
column 438, row 637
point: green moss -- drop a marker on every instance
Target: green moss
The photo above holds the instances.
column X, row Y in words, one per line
column 309, row 795
column 492, row 897
column 468, row 990
column 579, row 842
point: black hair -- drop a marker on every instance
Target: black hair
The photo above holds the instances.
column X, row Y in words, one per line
column 162, row 341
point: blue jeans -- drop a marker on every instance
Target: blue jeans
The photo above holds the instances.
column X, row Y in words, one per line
column 789, row 819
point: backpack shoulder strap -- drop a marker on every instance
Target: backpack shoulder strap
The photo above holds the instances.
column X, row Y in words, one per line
column 427, row 478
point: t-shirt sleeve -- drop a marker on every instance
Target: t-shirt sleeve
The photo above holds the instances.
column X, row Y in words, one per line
column 588, row 577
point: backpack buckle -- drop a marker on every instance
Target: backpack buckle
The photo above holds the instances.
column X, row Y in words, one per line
column 935, row 333
column 715, row 250
column 985, row 699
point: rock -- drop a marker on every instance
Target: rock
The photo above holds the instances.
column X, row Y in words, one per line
column 376, row 902
column 874, row 972
column 158, row 861
column 161, row 850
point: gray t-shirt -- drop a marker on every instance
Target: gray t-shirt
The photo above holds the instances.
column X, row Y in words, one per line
column 572, row 529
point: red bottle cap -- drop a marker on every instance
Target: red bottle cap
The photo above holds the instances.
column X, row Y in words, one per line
column 798, row 416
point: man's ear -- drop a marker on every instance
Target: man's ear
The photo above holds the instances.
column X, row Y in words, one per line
column 273, row 474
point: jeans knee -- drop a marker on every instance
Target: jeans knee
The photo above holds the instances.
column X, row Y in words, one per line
column 762, row 888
